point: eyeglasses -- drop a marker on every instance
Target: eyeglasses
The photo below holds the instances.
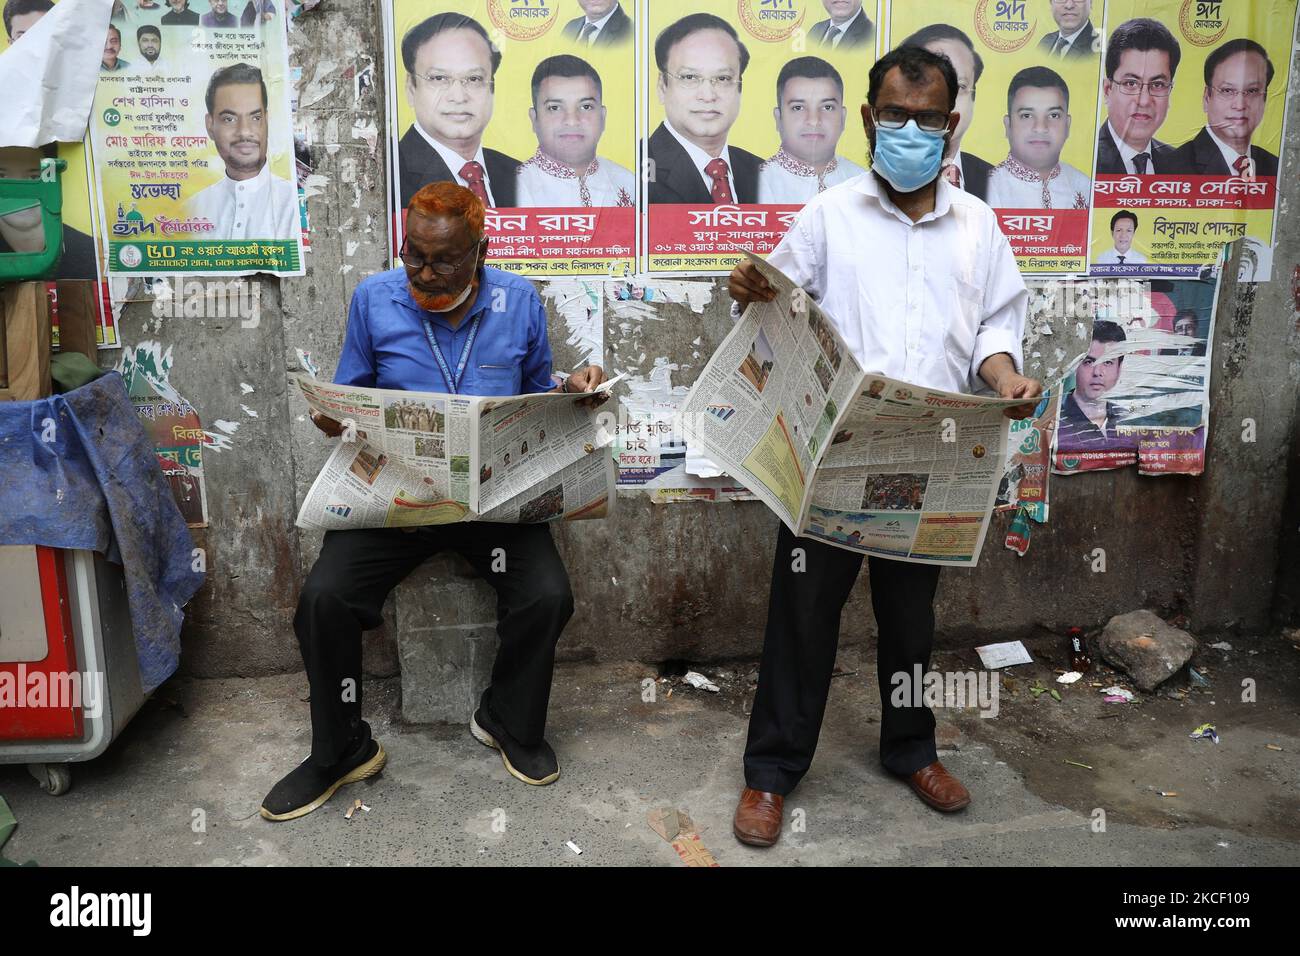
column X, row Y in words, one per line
column 442, row 82
column 693, row 81
column 1231, row 92
column 440, row 268
column 1132, row 87
column 930, row 121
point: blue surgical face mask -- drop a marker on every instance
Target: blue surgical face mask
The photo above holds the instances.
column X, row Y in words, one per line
column 907, row 158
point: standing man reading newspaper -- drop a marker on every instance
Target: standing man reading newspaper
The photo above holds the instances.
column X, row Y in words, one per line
column 936, row 300
column 444, row 321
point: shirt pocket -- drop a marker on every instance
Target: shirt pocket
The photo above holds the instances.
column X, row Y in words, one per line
column 496, row 379
column 963, row 313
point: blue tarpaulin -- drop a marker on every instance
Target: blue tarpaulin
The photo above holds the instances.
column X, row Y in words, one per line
column 78, row 471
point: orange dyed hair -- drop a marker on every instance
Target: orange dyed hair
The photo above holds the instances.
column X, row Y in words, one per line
column 449, row 199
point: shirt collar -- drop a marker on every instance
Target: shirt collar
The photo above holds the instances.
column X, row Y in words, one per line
column 600, row 24
column 1230, row 155
column 1026, row 174
column 869, row 184
column 559, row 170
column 1075, row 35
column 1126, row 152
column 698, row 156
column 260, row 181
column 454, row 160
column 482, row 300
column 797, row 167
column 844, row 27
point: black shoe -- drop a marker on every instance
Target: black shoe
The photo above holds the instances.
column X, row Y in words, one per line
column 307, row 786
column 536, row 765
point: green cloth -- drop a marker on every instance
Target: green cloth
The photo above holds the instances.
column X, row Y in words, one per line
column 7, row 827
column 71, row 370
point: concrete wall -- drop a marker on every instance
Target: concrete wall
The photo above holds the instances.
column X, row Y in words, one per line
column 692, row 578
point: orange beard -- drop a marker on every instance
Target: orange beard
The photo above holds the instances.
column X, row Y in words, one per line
column 439, row 303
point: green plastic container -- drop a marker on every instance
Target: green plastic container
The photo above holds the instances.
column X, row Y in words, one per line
column 47, row 192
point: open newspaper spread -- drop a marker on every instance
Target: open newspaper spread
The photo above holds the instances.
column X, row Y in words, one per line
column 420, row 458
column 856, row 459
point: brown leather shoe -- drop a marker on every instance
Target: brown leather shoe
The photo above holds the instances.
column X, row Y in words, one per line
column 758, row 817
column 940, row 789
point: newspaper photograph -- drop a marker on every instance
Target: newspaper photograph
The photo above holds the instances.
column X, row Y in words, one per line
column 858, row 460
column 419, row 458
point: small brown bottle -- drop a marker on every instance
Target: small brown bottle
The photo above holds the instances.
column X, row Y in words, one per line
column 1079, row 659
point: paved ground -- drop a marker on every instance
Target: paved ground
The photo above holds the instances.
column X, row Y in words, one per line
column 217, row 746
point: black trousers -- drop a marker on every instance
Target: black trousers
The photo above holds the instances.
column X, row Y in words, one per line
column 345, row 592
column 803, row 632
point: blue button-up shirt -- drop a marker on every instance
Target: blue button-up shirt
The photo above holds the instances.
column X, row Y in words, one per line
column 386, row 347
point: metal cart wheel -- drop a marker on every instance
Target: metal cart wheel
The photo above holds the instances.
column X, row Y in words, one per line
column 54, row 778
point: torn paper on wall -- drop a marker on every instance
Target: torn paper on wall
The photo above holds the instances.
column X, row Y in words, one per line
column 59, row 56
column 1140, row 394
column 581, row 306
column 171, row 423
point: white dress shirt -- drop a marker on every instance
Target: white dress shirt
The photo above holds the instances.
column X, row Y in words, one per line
column 701, row 159
column 455, row 161
column 1111, row 257
column 925, row 302
column 1127, row 152
column 1058, row 50
column 544, row 182
column 264, row 207
column 1012, row 185
column 600, row 25
column 843, row 28
column 783, row 179
column 1230, row 155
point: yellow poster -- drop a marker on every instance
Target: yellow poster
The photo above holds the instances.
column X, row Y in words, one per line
column 532, row 106
column 1191, row 108
column 752, row 109
column 193, row 140
column 1027, row 74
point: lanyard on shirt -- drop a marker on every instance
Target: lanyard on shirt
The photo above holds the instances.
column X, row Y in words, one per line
column 453, row 384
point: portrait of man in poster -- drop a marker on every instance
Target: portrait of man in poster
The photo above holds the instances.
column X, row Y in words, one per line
column 701, row 62
column 810, row 117
column 249, row 201
column 1237, row 78
column 451, row 68
column 1141, row 60
column 568, row 117
column 1037, row 125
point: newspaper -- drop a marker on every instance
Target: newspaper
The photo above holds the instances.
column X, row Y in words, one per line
column 853, row 458
column 420, row 458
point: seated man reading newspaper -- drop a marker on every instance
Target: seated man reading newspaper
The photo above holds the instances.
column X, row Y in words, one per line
column 443, row 321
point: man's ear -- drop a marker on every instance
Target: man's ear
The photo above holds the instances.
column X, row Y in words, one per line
column 868, row 124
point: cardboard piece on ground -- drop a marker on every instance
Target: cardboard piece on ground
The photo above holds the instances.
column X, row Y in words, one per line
column 679, row 830
column 692, row 851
